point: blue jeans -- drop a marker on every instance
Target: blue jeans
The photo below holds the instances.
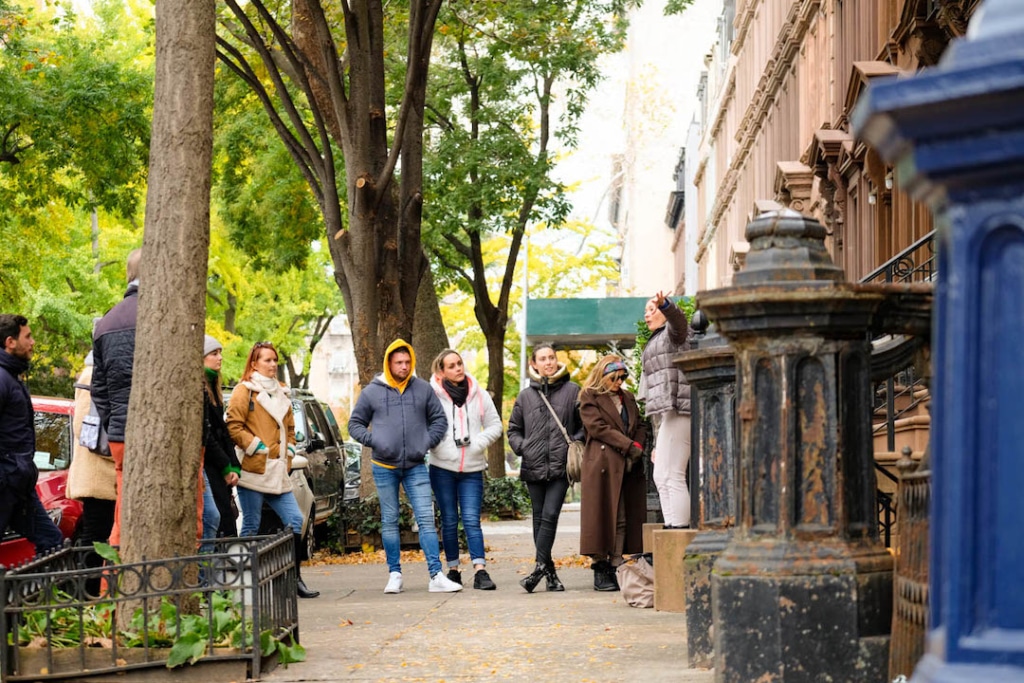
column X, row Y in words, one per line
column 455, row 492
column 211, row 518
column 283, row 504
column 416, row 483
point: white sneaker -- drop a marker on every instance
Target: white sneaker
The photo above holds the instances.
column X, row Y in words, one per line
column 394, row 583
column 440, row 583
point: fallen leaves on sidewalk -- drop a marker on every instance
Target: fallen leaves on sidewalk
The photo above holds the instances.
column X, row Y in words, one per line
column 323, row 558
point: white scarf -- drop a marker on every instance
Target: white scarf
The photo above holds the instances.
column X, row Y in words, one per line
column 275, row 400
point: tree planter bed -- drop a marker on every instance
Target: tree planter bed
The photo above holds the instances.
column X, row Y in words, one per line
column 59, row 617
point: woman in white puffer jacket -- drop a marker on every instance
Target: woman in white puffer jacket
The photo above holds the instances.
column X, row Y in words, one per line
column 457, row 464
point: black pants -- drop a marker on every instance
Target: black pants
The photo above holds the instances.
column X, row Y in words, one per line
column 24, row 513
column 97, row 521
column 546, row 498
column 95, row 525
column 222, row 497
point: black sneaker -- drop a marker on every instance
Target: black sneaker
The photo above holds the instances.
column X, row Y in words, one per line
column 482, row 581
column 455, row 575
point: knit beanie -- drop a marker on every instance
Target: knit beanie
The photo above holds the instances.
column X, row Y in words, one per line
column 210, row 345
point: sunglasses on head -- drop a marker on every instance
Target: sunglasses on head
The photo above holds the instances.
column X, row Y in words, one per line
column 263, row 345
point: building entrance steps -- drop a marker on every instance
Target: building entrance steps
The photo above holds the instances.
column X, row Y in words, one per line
column 354, row 632
column 669, row 565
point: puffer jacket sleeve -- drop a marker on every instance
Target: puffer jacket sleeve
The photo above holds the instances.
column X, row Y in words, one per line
column 580, row 433
column 678, row 325
column 99, row 387
column 516, row 426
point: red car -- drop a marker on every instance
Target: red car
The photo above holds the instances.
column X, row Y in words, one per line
column 53, row 457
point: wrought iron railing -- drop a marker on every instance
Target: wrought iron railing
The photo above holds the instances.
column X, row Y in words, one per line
column 916, row 263
column 59, row 617
column 886, row 507
column 899, row 384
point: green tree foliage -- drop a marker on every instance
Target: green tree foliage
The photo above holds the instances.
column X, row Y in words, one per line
column 563, row 262
column 509, row 81
column 676, row 6
column 74, row 132
column 75, row 111
column 323, row 73
column 270, row 275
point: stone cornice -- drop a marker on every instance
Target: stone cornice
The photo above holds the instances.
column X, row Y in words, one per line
column 791, row 36
column 861, row 74
column 721, row 108
column 793, row 181
column 742, row 25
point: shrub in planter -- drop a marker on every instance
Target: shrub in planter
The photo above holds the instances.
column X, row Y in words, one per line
column 505, row 498
column 362, row 518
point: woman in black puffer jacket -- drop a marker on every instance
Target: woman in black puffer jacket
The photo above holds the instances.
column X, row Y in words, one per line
column 535, row 437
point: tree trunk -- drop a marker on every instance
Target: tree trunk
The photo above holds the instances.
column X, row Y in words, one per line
column 429, row 337
column 162, row 443
column 496, row 388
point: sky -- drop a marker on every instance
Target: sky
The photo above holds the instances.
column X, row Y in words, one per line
column 642, row 110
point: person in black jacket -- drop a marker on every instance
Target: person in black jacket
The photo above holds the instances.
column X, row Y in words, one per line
column 535, row 437
column 220, row 464
column 113, row 354
column 19, row 503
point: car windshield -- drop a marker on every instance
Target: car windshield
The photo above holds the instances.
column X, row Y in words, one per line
column 53, row 441
column 300, row 422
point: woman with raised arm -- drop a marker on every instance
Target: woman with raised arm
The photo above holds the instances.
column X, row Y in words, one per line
column 666, row 397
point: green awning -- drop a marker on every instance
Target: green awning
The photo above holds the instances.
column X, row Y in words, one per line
column 583, row 323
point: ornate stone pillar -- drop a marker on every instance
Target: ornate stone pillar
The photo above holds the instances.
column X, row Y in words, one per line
column 711, row 372
column 803, row 592
column 954, row 136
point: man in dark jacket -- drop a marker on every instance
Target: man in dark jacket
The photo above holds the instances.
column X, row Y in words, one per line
column 113, row 354
column 19, row 503
column 400, row 417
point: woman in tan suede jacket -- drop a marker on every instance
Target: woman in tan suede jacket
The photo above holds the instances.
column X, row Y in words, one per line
column 261, row 423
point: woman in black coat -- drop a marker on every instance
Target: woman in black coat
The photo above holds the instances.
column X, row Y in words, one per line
column 220, row 464
column 535, row 436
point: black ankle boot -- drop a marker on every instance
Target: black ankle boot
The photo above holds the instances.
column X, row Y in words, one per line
column 604, row 577
column 530, row 582
column 554, row 583
column 301, row 589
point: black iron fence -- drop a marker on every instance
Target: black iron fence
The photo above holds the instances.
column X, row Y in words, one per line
column 63, row 619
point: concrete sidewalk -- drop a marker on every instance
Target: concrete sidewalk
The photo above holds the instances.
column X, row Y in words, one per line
column 354, row 632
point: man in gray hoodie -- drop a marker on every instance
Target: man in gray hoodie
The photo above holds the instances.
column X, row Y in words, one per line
column 399, row 417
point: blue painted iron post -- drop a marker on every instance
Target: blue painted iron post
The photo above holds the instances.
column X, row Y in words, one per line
column 956, row 136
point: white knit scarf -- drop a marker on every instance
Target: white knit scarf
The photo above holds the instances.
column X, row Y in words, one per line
column 275, row 400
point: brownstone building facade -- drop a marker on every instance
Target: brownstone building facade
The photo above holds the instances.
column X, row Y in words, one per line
column 781, row 83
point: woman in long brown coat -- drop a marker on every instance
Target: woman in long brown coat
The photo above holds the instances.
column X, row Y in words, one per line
column 613, row 489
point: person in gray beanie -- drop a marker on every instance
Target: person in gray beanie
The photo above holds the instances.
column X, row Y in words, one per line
column 220, row 464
